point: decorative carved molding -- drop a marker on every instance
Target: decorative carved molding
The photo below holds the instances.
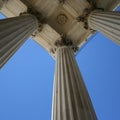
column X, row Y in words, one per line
column 64, row 41
column 62, row 19
column 86, row 13
column 61, row 1
column 38, row 15
column 37, row 31
column 40, row 18
column 106, row 22
column 92, row 3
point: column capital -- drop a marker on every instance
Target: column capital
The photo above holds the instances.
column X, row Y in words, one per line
column 38, row 16
column 64, row 41
column 30, row 10
column 106, row 22
column 86, row 14
column 61, row 1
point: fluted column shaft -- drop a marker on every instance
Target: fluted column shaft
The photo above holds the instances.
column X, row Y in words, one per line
column 70, row 100
column 107, row 23
column 13, row 33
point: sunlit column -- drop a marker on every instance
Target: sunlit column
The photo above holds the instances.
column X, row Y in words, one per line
column 71, row 100
column 13, row 33
column 107, row 23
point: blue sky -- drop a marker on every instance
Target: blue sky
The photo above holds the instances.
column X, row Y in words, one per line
column 26, row 81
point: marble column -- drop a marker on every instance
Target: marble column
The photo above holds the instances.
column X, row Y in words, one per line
column 13, row 33
column 70, row 100
column 107, row 23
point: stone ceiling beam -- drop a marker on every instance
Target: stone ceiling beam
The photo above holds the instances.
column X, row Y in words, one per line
column 12, row 8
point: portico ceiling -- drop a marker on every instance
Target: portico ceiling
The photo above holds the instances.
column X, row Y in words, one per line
column 60, row 18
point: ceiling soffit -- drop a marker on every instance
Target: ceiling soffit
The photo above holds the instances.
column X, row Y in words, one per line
column 61, row 18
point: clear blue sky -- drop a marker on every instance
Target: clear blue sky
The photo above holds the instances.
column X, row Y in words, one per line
column 26, row 81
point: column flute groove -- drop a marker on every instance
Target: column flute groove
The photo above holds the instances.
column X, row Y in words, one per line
column 107, row 23
column 71, row 100
column 13, row 33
